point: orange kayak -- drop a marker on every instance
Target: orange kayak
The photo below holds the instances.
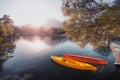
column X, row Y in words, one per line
column 86, row 59
column 73, row 63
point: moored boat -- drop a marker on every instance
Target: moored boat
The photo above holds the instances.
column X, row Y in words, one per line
column 73, row 64
column 86, row 59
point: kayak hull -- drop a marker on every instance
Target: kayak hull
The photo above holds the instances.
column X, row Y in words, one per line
column 73, row 64
column 86, row 59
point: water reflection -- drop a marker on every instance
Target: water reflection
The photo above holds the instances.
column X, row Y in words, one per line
column 1, row 66
column 6, row 51
column 35, row 43
column 33, row 57
column 103, row 50
column 17, row 77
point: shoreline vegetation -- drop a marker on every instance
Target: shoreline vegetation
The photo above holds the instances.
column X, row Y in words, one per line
column 9, row 32
column 97, row 24
column 6, row 37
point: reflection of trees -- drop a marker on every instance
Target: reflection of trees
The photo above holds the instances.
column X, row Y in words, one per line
column 6, row 46
column 6, row 49
column 1, row 66
column 54, row 41
column 47, row 39
column 91, row 21
column 103, row 50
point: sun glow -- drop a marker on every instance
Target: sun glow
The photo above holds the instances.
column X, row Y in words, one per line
column 38, row 44
column 35, row 44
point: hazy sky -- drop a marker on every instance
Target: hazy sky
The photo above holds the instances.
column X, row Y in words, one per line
column 31, row 11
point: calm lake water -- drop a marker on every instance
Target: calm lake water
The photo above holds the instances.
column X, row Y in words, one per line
column 31, row 61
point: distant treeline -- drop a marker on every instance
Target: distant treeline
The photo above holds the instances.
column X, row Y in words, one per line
column 8, row 32
column 39, row 31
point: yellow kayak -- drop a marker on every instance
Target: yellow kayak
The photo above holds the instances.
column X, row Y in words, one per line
column 73, row 63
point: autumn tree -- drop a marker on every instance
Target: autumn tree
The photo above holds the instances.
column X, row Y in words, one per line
column 91, row 21
column 6, row 26
column 6, row 32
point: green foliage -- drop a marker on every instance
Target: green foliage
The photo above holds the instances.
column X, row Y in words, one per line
column 6, row 27
column 6, row 33
column 91, row 22
column 56, row 32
